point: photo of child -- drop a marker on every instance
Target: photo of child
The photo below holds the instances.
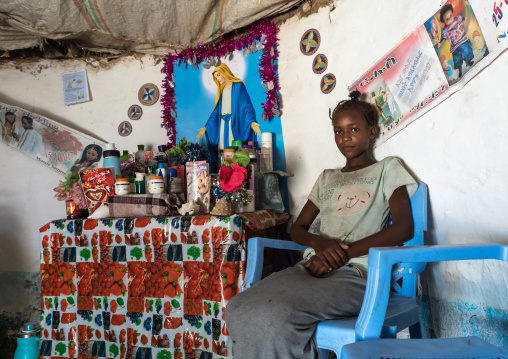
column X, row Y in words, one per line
column 453, row 38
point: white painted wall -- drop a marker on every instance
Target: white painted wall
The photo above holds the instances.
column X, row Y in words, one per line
column 459, row 149
column 26, row 199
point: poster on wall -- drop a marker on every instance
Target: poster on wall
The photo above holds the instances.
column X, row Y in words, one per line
column 49, row 143
column 198, row 104
column 434, row 61
column 75, row 87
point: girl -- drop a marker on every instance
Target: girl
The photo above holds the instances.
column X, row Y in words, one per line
column 276, row 317
column 89, row 158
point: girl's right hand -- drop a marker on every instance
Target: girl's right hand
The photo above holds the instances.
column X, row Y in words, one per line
column 317, row 267
column 331, row 252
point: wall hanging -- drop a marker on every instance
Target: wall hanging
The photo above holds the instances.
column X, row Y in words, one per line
column 49, row 143
column 434, row 61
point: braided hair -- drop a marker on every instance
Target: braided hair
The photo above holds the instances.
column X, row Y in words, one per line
column 369, row 112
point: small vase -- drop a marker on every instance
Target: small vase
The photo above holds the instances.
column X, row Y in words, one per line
column 237, row 205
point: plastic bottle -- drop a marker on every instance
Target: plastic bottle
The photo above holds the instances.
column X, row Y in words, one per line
column 161, row 171
column 122, row 186
column 156, row 185
column 112, row 159
column 266, row 159
column 149, row 172
column 28, row 343
column 228, row 154
column 124, row 155
column 139, row 156
column 140, row 184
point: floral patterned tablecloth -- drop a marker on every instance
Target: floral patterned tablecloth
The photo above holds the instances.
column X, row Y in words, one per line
column 140, row 288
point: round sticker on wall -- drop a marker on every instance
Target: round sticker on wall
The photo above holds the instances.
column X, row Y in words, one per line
column 148, row 94
column 319, row 64
column 135, row 112
column 309, row 43
column 125, row 129
column 327, row 83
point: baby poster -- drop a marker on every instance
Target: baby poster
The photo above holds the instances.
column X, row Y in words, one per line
column 437, row 59
column 49, row 143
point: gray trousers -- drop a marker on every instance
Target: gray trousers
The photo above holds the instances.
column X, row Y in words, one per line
column 277, row 317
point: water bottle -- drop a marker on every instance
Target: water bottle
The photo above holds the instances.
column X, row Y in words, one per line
column 112, row 159
column 28, row 342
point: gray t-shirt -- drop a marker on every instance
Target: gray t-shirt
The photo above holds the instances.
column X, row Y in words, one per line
column 354, row 205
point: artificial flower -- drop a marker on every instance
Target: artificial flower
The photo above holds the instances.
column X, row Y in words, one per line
column 232, row 178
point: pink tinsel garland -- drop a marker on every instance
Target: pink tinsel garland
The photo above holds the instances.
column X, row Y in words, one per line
column 268, row 71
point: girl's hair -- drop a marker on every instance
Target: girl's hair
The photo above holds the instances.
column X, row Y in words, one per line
column 97, row 149
column 369, row 112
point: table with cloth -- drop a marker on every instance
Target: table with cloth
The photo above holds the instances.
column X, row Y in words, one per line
column 142, row 287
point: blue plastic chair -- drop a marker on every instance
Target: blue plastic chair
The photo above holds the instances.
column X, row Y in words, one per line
column 370, row 320
column 403, row 311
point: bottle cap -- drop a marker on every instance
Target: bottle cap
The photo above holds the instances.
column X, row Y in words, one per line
column 251, row 143
column 111, row 151
column 266, row 137
column 160, row 165
column 155, row 178
column 141, row 147
column 229, row 150
column 162, row 148
column 125, row 152
column 140, row 176
column 122, row 180
column 236, row 143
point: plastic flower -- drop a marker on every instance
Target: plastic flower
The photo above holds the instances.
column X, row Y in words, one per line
column 231, row 178
column 71, row 189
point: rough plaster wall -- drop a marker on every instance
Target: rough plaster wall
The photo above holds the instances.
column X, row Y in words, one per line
column 459, row 149
column 26, row 195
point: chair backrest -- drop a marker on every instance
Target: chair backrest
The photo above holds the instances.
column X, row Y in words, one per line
column 404, row 275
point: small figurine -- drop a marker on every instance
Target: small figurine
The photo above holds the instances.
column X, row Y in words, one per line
column 189, row 208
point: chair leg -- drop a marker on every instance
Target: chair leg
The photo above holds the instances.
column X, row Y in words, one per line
column 415, row 331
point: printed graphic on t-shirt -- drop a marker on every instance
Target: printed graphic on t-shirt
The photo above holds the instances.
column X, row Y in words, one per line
column 353, row 200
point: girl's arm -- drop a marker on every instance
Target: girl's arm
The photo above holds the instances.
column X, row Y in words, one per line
column 330, row 252
column 401, row 229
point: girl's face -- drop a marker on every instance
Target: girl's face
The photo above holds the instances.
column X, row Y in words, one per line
column 91, row 154
column 353, row 135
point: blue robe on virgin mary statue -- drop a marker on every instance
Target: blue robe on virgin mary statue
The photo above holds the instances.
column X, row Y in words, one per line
column 242, row 116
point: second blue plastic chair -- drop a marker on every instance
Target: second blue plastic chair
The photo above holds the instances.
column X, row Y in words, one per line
column 402, row 311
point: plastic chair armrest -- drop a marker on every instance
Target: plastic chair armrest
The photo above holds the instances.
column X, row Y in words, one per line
column 381, row 260
column 255, row 252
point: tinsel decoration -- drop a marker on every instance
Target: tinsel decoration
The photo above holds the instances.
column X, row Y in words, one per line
column 193, row 153
column 263, row 35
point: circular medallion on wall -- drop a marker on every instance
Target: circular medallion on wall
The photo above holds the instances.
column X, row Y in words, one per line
column 319, row 64
column 148, row 94
column 135, row 112
column 327, row 83
column 125, row 129
column 310, row 41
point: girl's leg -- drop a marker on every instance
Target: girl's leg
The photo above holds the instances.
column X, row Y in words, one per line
column 277, row 317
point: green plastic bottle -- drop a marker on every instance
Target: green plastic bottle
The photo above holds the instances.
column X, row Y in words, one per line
column 124, row 155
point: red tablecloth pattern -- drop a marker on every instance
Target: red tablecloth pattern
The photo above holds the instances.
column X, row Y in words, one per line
column 140, row 287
